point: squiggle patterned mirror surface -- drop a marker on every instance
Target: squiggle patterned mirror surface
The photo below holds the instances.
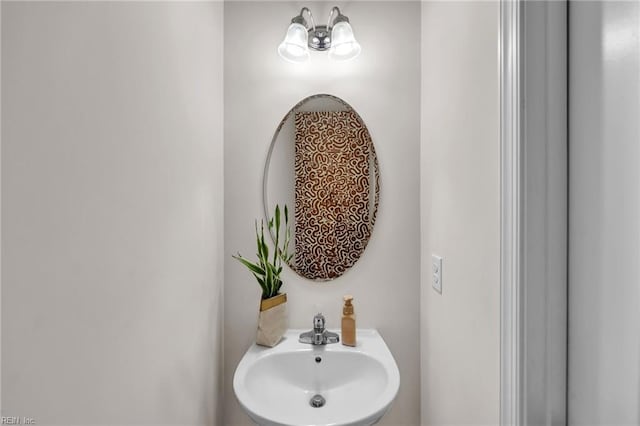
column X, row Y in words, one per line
column 334, row 188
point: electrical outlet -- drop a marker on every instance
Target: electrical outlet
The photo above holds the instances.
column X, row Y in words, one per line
column 436, row 273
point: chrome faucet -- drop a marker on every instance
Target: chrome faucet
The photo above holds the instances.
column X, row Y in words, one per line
column 319, row 335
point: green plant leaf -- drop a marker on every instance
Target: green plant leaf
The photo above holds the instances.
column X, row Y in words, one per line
column 265, row 248
column 259, row 254
column 267, row 272
column 277, row 218
column 276, row 252
column 250, row 265
column 261, row 282
column 269, row 279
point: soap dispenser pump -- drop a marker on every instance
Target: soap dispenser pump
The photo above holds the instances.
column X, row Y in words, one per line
column 348, row 322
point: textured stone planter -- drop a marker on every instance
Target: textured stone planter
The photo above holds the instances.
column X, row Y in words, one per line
column 272, row 320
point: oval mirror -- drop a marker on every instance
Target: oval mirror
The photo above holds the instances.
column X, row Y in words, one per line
column 323, row 166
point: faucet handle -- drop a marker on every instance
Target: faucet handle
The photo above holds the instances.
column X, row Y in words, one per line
column 318, row 322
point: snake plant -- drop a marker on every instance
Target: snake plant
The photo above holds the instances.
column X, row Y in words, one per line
column 267, row 269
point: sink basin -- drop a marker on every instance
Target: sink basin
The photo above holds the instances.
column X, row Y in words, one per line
column 297, row 384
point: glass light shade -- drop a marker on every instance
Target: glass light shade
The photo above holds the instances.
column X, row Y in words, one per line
column 294, row 47
column 343, row 44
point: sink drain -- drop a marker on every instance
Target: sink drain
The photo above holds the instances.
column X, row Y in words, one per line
column 317, row 401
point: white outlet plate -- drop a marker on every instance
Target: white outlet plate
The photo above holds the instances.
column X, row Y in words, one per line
column 436, row 273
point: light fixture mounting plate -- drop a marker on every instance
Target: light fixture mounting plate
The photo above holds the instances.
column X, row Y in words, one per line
column 320, row 38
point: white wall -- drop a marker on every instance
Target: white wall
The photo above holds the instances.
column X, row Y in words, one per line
column 112, row 212
column 460, row 213
column 381, row 84
column 604, row 212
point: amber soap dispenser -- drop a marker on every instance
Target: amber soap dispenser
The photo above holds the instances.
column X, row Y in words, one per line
column 348, row 322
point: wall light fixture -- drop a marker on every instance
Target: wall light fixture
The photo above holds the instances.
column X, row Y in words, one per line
column 336, row 37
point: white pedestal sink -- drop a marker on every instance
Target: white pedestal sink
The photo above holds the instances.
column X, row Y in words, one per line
column 356, row 385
